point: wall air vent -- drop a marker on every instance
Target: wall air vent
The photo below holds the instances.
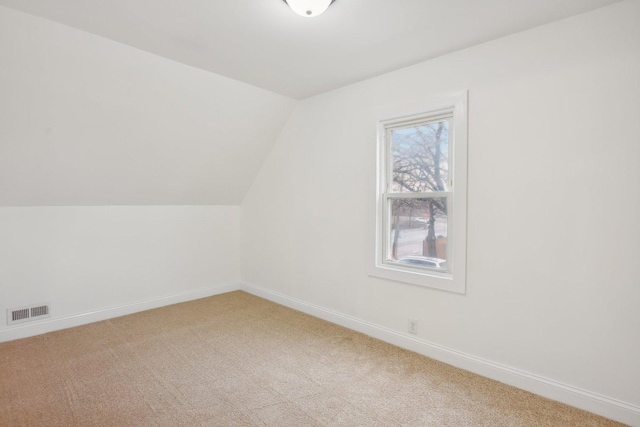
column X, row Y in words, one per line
column 27, row 314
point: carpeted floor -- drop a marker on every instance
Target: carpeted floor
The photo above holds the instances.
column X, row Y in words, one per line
column 238, row 360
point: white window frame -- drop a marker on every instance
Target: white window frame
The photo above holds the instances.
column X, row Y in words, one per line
column 454, row 107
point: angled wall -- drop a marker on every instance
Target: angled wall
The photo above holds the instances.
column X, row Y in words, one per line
column 95, row 262
column 88, row 121
column 552, row 273
column 121, row 173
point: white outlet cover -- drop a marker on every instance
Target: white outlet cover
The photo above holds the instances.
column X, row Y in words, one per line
column 413, row 326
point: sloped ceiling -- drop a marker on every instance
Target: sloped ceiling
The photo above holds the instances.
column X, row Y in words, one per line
column 87, row 121
column 154, row 102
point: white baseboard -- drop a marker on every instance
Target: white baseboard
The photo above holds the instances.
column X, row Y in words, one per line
column 54, row 324
column 570, row 395
column 574, row 396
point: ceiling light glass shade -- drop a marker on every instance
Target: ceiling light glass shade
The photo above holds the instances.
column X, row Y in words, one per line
column 309, row 8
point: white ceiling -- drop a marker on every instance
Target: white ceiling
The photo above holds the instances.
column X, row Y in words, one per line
column 263, row 43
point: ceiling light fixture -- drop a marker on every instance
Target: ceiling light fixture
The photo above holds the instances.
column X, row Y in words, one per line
column 309, row 8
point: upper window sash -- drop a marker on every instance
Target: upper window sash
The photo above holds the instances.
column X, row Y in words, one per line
column 418, row 121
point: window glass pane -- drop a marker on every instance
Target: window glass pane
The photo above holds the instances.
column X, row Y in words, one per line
column 418, row 232
column 420, row 158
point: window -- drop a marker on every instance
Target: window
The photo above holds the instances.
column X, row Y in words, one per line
column 421, row 196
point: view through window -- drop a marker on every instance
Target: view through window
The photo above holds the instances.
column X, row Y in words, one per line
column 418, row 200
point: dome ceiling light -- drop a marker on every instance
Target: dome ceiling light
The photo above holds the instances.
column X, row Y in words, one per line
column 309, row 8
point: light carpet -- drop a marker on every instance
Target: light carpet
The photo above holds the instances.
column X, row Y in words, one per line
column 239, row 360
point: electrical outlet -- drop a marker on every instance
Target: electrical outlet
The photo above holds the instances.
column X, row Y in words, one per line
column 413, row 326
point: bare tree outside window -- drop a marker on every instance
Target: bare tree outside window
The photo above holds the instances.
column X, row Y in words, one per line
column 420, row 158
column 420, row 165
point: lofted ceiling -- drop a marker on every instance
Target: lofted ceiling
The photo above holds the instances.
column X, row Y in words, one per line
column 167, row 102
column 264, row 44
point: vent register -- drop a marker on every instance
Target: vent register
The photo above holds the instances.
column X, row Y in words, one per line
column 27, row 314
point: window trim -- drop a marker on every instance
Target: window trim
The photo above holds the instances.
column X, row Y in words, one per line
column 454, row 107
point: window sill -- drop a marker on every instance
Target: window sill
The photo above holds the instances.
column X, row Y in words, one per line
column 425, row 278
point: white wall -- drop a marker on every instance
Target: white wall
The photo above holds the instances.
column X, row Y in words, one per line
column 114, row 259
column 88, row 125
column 553, row 206
column 88, row 121
column 553, row 183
